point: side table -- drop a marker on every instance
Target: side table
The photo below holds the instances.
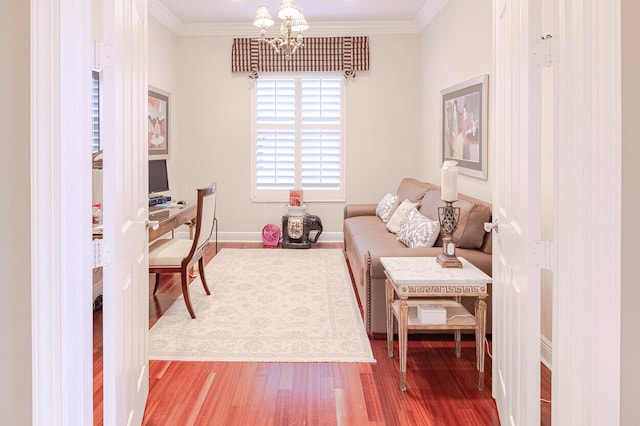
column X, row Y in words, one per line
column 423, row 280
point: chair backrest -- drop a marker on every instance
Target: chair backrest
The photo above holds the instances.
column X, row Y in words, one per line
column 205, row 220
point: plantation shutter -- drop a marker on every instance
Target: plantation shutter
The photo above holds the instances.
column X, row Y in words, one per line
column 298, row 134
column 95, row 112
column 275, row 136
column 320, row 140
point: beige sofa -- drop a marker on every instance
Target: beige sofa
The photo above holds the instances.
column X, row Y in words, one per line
column 366, row 239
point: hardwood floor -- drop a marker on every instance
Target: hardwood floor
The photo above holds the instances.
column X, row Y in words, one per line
column 441, row 389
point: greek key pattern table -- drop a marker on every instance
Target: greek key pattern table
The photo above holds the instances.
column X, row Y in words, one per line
column 418, row 280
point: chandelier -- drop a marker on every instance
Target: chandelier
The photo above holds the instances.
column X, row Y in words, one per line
column 293, row 24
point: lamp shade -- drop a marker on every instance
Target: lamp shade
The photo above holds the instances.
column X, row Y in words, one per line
column 288, row 9
column 263, row 18
column 299, row 24
column 449, row 190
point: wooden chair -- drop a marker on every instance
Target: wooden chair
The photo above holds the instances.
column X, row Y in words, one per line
column 180, row 255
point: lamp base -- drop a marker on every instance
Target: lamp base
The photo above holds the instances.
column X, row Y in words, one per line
column 448, row 261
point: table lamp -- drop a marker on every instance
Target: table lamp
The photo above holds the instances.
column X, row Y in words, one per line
column 449, row 215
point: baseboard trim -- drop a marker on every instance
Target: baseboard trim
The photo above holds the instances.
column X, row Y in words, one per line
column 256, row 237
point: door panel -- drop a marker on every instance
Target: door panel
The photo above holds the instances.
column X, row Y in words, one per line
column 516, row 198
column 126, row 288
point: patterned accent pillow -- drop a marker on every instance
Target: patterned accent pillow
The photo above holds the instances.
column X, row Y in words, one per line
column 418, row 230
column 386, row 207
column 398, row 216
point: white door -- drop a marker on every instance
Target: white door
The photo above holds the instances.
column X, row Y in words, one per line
column 516, row 208
column 126, row 282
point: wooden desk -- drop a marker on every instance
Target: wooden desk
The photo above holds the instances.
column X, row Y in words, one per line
column 170, row 218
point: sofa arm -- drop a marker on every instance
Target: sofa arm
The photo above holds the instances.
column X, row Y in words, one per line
column 372, row 257
column 352, row 210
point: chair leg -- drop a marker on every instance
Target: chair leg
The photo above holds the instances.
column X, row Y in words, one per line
column 184, row 277
column 202, row 275
column 155, row 287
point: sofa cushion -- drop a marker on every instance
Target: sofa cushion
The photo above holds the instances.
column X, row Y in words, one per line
column 413, row 190
column 398, row 216
column 473, row 214
column 418, row 231
column 364, row 225
column 386, row 207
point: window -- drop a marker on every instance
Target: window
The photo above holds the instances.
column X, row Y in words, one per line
column 298, row 138
column 95, row 112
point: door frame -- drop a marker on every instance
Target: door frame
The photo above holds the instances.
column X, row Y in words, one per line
column 62, row 356
column 61, row 260
column 587, row 223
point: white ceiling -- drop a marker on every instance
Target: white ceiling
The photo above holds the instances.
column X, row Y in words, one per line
column 193, row 16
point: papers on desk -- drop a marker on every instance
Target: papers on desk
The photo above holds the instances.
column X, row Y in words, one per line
column 170, row 204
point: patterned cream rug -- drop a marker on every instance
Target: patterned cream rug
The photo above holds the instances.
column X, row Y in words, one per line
column 267, row 305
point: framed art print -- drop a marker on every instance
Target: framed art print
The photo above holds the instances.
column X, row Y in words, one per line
column 464, row 126
column 158, row 119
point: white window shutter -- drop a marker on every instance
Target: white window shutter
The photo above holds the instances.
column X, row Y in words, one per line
column 95, row 112
column 298, row 138
column 275, row 159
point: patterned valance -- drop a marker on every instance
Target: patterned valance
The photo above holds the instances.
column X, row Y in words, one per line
column 346, row 54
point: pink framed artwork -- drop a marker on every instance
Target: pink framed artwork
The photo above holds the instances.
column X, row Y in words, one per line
column 158, row 119
column 464, row 126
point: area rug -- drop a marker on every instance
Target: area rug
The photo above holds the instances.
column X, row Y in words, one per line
column 267, row 305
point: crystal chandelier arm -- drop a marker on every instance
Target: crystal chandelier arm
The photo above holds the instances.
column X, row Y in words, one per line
column 274, row 42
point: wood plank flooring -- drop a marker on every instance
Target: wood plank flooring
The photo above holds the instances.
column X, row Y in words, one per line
column 441, row 389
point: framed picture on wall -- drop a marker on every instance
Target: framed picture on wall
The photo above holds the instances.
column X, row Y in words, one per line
column 464, row 126
column 158, row 119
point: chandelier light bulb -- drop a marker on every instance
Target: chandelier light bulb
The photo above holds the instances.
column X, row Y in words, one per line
column 299, row 24
column 263, row 18
column 288, row 10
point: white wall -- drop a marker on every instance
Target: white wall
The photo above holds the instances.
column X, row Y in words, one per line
column 456, row 46
column 162, row 62
column 211, row 137
column 15, row 303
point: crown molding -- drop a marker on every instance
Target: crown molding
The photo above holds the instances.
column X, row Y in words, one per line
column 429, row 11
column 164, row 16
column 322, row 28
column 319, row 29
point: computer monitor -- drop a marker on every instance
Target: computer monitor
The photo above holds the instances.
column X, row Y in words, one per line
column 158, row 177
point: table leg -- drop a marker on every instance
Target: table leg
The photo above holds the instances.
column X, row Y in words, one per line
column 481, row 311
column 402, row 338
column 457, row 334
column 389, row 301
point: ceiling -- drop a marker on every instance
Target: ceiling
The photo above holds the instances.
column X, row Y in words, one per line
column 193, row 16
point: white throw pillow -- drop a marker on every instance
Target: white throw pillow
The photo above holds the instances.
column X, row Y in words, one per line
column 418, row 230
column 386, row 207
column 398, row 216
